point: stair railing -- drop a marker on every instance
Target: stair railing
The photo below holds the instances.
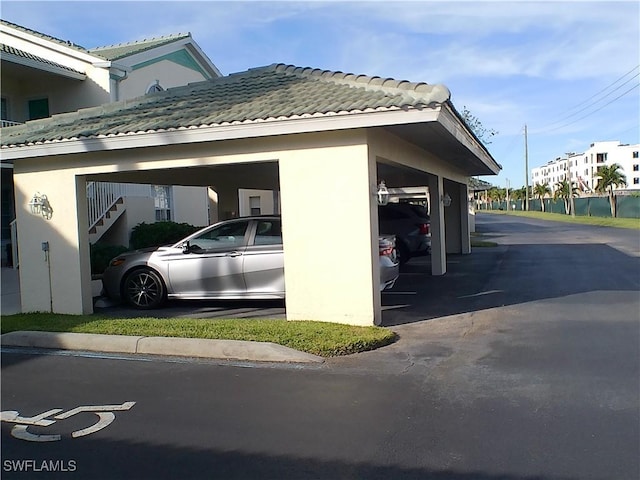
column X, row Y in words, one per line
column 102, row 196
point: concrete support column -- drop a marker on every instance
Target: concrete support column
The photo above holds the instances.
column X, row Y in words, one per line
column 61, row 276
column 465, row 228
column 330, row 235
column 228, row 204
column 438, row 251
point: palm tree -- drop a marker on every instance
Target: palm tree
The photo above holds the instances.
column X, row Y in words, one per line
column 493, row 194
column 541, row 190
column 610, row 176
column 519, row 194
column 566, row 191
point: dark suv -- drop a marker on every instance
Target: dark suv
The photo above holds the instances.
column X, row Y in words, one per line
column 410, row 224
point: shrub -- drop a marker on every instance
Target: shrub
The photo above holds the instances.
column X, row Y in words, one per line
column 101, row 254
column 157, row 234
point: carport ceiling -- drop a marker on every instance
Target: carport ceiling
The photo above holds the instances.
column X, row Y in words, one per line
column 258, row 175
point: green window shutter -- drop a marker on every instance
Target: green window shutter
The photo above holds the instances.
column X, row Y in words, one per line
column 38, row 108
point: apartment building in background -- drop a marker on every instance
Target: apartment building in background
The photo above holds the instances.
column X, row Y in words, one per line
column 583, row 167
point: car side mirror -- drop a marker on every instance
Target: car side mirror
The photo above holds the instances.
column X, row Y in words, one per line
column 186, row 248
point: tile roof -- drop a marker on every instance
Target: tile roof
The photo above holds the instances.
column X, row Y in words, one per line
column 66, row 43
column 7, row 50
column 272, row 92
column 121, row 50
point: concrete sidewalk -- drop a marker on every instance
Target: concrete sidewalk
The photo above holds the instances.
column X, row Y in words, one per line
column 233, row 350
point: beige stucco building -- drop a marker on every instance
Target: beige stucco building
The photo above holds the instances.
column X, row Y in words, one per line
column 43, row 76
column 323, row 139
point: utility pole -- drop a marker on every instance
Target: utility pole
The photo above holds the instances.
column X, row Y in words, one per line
column 507, row 194
column 572, row 205
column 526, row 170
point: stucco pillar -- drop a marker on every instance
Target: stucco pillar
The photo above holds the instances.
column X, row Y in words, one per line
column 58, row 280
column 465, row 227
column 330, row 235
column 438, row 251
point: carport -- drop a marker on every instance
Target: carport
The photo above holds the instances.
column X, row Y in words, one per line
column 324, row 139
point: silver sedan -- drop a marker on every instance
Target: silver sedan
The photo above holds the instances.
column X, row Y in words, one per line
column 241, row 258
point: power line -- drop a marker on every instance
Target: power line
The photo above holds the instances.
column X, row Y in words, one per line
column 590, row 113
column 568, row 115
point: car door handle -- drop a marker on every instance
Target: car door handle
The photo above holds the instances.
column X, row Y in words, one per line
column 233, row 254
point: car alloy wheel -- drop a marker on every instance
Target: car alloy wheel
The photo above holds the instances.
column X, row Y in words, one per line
column 143, row 288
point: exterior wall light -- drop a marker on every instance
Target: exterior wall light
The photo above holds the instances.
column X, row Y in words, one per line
column 446, row 200
column 382, row 194
column 39, row 205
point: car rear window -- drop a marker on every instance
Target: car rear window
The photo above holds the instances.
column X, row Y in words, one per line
column 268, row 232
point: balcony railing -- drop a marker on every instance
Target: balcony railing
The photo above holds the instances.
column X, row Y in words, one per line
column 8, row 123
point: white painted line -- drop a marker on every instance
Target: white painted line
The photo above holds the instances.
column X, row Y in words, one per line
column 20, row 431
column 105, row 419
column 400, row 293
column 96, row 408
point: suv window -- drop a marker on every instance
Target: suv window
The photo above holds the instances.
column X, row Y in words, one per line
column 390, row 212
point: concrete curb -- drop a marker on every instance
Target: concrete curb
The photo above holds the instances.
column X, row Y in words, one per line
column 183, row 347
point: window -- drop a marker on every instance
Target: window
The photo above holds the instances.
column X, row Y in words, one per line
column 636, row 168
column 162, row 200
column 636, row 181
column 601, row 157
column 4, row 114
column 254, row 205
column 635, row 154
column 155, row 87
column 268, row 232
column 38, row 108
column 227, row 236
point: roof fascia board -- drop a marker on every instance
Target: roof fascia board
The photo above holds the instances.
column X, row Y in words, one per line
column 206, row 62
column 225, row 132
column 43, row 42
column 28, row 62
column 147, row 57
column 449, row 120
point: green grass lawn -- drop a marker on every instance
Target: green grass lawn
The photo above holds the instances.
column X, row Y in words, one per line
column 633, row 223
column 319, row 338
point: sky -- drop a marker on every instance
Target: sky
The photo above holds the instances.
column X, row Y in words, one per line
column 569, row 71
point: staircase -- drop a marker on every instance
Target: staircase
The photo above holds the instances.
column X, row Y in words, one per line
column 104, row 223
column 106, row 202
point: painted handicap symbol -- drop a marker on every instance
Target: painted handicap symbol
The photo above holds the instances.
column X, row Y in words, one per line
column 104, row 412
